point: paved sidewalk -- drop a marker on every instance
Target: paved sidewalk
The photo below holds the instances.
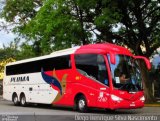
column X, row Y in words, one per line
column 1, row 97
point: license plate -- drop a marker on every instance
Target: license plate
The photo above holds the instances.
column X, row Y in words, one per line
column 132, row 104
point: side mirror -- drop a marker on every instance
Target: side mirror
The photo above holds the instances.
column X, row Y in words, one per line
column 148, row 64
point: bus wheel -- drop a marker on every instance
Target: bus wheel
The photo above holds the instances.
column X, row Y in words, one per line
column 23, row 100
column 15, row 99
column 82, row 104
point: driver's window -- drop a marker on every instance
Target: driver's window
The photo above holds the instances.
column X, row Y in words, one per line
column 102, row 71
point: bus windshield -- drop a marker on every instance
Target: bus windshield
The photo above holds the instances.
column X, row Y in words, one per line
column 126, row 74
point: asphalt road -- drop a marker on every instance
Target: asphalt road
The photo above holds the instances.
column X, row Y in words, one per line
column 9, row 112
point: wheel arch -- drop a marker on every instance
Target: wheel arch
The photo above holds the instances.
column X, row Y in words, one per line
column 21, row 94
column 79, row 94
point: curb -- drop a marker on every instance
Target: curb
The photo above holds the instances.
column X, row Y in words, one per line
column 152, row 105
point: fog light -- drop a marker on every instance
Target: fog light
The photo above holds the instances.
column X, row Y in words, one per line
column 142, row 98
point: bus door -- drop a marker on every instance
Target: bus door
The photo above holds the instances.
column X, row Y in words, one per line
column 103, row 78
column 93, row 66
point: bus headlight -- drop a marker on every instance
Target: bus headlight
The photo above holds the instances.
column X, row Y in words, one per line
column 142, row 98
column 116, row 98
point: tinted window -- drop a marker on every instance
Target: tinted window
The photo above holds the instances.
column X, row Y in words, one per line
column 92, row 66
column 57, row 63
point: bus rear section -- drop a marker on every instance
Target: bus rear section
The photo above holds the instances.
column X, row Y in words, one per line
column 37, row 80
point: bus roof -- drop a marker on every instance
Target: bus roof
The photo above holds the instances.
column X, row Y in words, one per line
column 103, row 49
column 91, row 48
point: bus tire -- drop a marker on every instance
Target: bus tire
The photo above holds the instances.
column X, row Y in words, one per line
column 81, row 104
column 23, row 100
column 15, row 99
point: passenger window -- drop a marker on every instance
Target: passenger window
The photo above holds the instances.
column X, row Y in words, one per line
column 92, row 66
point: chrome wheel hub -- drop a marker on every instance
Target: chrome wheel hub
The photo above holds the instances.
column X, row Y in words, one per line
column 81, row 104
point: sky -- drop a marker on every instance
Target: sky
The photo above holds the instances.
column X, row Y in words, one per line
column 156, row 59
column 6, row 38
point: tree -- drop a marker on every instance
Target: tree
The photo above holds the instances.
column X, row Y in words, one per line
column 61, row 23
column 17, row 14
column 9, row 51
column 26, row 51
column 7, row 56
column 3, row 63
column 57, row 24
column 74, row 22
column 140, row 31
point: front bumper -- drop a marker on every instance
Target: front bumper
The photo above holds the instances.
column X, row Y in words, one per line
column 126, row 104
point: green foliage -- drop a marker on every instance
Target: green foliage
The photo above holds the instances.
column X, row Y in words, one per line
column 10, row 51
column 140, row 20
column 19, row 10
column 58, row 24
column 26, row 51
column 17, row 51
column 61, row 23
column 54, row 27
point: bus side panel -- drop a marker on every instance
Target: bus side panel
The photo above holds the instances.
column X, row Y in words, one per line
column 73, row 86
column 79, row 84
column 74, row 89
column 6, row 89
column 36, row 90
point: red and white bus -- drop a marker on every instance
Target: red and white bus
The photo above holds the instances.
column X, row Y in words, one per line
column 82, row 77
